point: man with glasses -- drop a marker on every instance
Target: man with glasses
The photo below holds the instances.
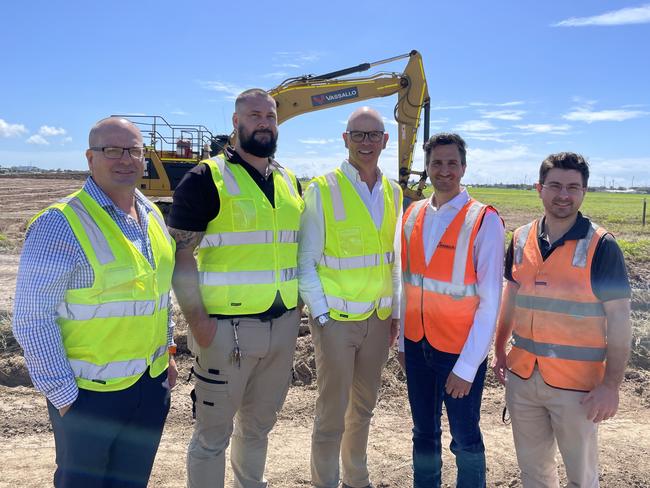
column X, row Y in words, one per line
column 452, row 260
column 240, row 295
column 92, row 315
column 566, row 306
column 350, row 280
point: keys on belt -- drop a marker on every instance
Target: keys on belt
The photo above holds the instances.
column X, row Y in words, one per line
column 235, row 355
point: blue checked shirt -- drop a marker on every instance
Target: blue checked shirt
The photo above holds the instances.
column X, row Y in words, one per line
column 51, row 262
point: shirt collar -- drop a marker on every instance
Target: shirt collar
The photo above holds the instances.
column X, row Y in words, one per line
column 578, row 231
column 105, row 201
column 235, row 158
column 353, row 173
column 457, row 202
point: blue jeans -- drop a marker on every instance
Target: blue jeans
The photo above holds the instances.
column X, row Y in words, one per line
column 427, row 370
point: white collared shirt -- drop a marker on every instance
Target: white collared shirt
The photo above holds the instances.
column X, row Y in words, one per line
column 488, row 262
column 312, row 239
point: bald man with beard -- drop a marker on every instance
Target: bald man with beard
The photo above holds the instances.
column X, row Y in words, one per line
column 350, row 280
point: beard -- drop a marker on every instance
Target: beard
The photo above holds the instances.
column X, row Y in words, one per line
column 262, row 149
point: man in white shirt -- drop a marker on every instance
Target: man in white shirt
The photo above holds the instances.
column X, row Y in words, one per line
column 350, row 280
column 452, row 260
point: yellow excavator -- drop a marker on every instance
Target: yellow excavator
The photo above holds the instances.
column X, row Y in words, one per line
column 175, row 149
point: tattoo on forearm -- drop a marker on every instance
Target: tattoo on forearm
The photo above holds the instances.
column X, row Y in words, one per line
column 186, row 238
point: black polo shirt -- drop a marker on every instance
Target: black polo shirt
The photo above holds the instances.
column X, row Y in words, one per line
column 609, row 279
column 196, row 203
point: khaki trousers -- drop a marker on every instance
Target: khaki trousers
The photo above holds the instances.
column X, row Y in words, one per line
column 542, row 415
column 349, row 359
column 252, row 393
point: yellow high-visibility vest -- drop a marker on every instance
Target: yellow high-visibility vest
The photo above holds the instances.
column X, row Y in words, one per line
column 117, row 328
column 356, row 267
column 250, row 250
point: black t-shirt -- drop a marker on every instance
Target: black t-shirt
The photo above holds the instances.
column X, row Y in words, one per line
column 609, row 279
column 196, row 203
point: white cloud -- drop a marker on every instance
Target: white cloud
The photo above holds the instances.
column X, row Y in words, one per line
column 504, row 104
column 287, row 65
column 544, row 128
column 474, row 126
column 316, row 141
column 230, row 89
column 449, row 107
column 389, row 121
column 66, row 140
column 502, row 114
column 11, row 130
column 629, row 15
column 47, row 131
column 37, row 139
column 178, row 112
column 276, row 74
column 586, row 114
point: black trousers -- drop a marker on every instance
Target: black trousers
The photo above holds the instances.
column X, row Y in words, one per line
column 110, row 439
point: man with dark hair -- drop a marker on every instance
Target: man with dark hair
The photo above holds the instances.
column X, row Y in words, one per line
column 452, row 259
column 567, row 307
column 242, row 210
column 92, row 315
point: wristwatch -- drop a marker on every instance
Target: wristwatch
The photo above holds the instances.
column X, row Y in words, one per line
column 323, row 319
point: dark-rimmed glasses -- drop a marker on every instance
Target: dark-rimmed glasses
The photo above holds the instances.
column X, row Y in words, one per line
column 372, row 135
column 116, row 152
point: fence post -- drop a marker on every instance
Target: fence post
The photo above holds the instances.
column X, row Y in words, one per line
column 644, row 207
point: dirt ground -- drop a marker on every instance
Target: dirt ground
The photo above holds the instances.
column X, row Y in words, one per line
column 28, row 446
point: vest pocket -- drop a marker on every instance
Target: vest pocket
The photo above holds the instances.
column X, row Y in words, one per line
column 244, row 214
column 350, row 241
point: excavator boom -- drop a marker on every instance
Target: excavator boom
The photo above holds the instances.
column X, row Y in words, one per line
column 174, row 149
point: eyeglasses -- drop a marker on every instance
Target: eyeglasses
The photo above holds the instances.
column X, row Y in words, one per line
column 359, row 135
column 116, row 152
column 573, row 189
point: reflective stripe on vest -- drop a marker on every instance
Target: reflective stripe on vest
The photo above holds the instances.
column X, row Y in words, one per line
column 357, row 261
column 77, row 311
column 97, row 238
column 442, row 287
column 251, row 237
column 559, row 351
column 350, row 307
column 565, row 307
column 212, row 278
column 116, row 369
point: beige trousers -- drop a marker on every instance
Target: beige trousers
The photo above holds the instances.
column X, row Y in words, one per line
column 542, row 415
column 252, row 392
column 349, row 359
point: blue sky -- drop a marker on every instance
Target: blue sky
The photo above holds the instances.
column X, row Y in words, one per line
column 518, row 80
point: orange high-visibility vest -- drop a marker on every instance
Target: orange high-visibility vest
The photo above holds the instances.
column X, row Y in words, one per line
column 441, row 297
column 558, row 322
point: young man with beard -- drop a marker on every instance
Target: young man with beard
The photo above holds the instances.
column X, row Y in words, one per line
column 452, row 260
column 242, row 209
column 567, row 307
column 350, row 280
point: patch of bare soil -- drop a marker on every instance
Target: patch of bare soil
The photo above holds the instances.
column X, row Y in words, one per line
column 28, row 454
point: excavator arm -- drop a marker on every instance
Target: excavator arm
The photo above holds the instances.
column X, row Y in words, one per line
column 175, row 149
column 300, row 95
